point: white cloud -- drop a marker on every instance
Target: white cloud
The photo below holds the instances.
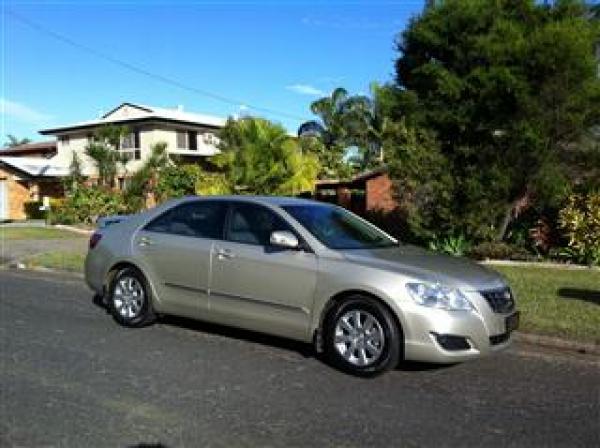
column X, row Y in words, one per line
column 21, row 112
column 305, row 89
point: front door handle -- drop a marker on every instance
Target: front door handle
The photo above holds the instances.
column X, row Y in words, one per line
column 145, row 241
column 223, row 254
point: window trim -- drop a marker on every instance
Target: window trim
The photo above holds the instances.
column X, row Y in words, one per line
column 187, row 203
column 302, row 243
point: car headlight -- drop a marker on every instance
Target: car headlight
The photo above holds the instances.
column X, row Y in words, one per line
column 439, row 296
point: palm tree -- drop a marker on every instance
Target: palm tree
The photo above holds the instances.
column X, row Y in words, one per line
column 104, row 150
column 14, row 141
column 259, row 157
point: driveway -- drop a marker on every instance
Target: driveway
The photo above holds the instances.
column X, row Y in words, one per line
column 71, row 377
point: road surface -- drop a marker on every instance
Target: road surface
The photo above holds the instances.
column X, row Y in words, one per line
column 70, row 377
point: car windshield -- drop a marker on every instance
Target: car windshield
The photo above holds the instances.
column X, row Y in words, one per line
column 338, row 228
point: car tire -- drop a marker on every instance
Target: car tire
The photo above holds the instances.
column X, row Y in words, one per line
column 130, row 300
column 362, row 337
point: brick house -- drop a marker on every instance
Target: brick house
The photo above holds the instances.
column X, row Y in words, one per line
column 33, row 171
column 367, row 192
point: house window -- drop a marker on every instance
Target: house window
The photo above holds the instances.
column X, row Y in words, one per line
column 124, row 183
column 182, row 140
column 128, row 141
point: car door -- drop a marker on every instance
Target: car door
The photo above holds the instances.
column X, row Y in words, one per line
column 176, row 248
column 255, row 285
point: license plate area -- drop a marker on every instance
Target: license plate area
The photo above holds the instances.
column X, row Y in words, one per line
column 512, row 322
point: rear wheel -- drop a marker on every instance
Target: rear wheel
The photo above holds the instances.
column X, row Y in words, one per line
column 129, row 298
column 361, row 337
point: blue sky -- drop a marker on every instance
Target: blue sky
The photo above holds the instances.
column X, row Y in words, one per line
column 275, row 55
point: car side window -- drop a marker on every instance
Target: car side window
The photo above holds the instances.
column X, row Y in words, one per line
column 200, row 219
column 253, row 224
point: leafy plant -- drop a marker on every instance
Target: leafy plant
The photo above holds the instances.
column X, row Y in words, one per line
column 104, row 150
column 580, row 220
column 451, row 245
column 86, row 204
column 259, row 157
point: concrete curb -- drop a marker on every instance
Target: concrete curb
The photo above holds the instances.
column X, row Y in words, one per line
column 20, row 266
column 557, row 343
column 539, row 264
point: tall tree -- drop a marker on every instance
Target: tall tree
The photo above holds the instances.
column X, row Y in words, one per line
column 259, row 157
column 330, row 129
column 509, row 86
column 15, row 141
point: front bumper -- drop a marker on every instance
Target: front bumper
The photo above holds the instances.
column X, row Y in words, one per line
column 433, row 335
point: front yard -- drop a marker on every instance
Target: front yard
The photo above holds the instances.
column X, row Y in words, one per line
column 35, row 233
column 557, row 301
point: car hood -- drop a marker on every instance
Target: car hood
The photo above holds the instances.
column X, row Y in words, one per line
column 428, row 266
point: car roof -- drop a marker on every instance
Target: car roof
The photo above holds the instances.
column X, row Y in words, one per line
column 271, row 200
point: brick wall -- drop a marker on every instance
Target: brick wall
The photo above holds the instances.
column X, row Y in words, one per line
column 18, row 193
column 379, row 194
column 21, row 191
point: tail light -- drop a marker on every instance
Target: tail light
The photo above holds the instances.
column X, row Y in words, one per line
column 95, row 239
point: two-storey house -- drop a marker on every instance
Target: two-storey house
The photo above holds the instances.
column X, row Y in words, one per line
column 28, row 176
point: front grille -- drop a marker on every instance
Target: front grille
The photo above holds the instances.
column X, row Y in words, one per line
column 500, row 300
column 499, row 338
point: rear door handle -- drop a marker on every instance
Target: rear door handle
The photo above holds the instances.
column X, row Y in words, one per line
column 223, row 254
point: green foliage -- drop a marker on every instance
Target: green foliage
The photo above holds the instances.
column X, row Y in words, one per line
column 258, row 157
column 451, row 245
column 495, row 250
column 86, row 204
column 143, row 180
column 423, row 184
column 580, row 220
column 104, row 150
column 33, row 211
column 15, row 141
column 75, row 177
column 508, row 87
column 182, row 180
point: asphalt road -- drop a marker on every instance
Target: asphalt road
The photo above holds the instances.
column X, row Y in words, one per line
column 69, row 376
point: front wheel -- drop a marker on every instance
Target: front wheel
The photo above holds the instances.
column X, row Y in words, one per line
column 361, row 337
column 129, row 299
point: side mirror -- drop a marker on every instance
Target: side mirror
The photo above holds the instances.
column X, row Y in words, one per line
column 284, row 239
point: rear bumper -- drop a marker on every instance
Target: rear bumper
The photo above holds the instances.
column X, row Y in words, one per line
column 94, row 273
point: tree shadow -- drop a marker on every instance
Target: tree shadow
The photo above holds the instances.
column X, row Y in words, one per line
column 587, row 295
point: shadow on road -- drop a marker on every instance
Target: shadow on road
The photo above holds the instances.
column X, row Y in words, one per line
column 586, row 295
column 304, row 349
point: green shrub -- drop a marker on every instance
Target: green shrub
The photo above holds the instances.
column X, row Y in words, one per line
column 86, row 204
column 32, row 210
column 499, row 251
column 451, row 245
column 580, row 220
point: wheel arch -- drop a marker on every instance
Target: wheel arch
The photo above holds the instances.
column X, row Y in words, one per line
column 343, row 295
column 122, row 264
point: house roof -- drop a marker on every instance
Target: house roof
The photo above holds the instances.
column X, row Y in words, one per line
column 142, row 113
column 29, row 148
column 35, row 166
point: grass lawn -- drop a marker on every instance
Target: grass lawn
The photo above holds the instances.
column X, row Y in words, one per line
column 557, row 301
column 65, row 261
column 35, row 233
